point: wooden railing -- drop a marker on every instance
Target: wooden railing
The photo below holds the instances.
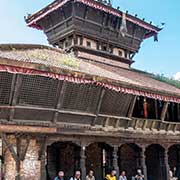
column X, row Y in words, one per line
column 103, row 121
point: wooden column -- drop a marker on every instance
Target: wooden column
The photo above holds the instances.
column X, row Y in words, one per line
column 15, row 94
column 131, row 109
column 59, row 104
column 98, row 106
column 164, row 111
column 18, row 162
column 42, row 157
column 156, row 108
column 178, row 111
column 143, row 162
column 166, row 163
column 115, row 160
column 145, row 108
column 83, row 162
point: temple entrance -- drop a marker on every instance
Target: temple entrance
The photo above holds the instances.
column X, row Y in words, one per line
column 129, row 159
column 99, row 159
column 62, row 156
column 174, row 160
column 155, row 162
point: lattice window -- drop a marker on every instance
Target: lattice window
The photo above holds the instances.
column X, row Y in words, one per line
column 5, row 87
column 81, row 97
column 38, row 90
column 115, row 103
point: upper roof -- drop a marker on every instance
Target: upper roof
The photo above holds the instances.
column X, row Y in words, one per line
column 34, row 18
column 44, row 60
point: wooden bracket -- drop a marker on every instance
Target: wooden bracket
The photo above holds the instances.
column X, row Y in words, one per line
column 131, row 109
column 164, row 111
column 10, row 147
column 20, row 154
column 24, row 151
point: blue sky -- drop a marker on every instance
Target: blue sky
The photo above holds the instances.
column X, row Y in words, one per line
column 161, row 57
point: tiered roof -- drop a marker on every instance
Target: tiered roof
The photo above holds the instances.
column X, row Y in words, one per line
column 33, row 19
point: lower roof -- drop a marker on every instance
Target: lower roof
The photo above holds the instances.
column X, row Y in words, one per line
column 47, row 61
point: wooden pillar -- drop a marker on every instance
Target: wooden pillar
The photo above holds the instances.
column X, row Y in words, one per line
column 83, row 162
column 43, row 166
column 178, row 112
column 18, row 82
column 115, row 160
column 130, row 112
column 164, row 111
column 145, row 108
column 61, row 90
column 156, row 108
column 18, row 162
column 143, row 162
column 166, row 163
column 42, row 156
column 98, row 106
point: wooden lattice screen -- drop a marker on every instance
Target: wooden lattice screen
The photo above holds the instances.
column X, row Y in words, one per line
column 115, row 103
column 38, row 90
column 5, row 87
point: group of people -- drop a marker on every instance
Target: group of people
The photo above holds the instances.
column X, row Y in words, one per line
column 110, row 176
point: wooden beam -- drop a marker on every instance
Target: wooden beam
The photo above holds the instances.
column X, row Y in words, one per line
column 145, row 108
column 178, row 112
column 23, row 152
column 26, row 129
column 172, row 112
column 12, row 88
column 164, row 111
column 17, row 86
column 42, row 149
column 59, row 104
column 156, row 108
column 18, row 163
column 98, row 106
column 86, row 13
column 10, row 147
column 131, row 109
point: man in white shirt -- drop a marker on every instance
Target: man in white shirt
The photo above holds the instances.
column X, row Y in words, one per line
column 123, row 176
column 77, row 176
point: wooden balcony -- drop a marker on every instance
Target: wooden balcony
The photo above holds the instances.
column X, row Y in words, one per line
column 69, row 120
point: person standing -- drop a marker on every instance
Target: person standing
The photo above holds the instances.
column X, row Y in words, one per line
column 60, row 176
column 77, row 176
column 139, row 175
column 90, row 175
column 111, row 176
column 123, row 176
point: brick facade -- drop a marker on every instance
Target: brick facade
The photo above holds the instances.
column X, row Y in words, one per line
column 30, row 167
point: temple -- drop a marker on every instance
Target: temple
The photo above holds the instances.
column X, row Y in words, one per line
column 79, row 105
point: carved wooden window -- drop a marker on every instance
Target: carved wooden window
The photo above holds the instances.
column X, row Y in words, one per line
column 120, row 53
column 88, row 44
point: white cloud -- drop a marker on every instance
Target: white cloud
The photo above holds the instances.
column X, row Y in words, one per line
column 177, row 76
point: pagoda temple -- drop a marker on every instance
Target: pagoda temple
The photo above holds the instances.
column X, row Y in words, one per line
column 79, row 105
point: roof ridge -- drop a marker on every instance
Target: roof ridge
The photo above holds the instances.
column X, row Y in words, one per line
column 27, row 46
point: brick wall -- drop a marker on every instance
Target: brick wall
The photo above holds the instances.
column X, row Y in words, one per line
column 30, row 167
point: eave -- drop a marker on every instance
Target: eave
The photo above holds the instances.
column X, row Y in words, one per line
column 32, row 21
column 17, row 67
